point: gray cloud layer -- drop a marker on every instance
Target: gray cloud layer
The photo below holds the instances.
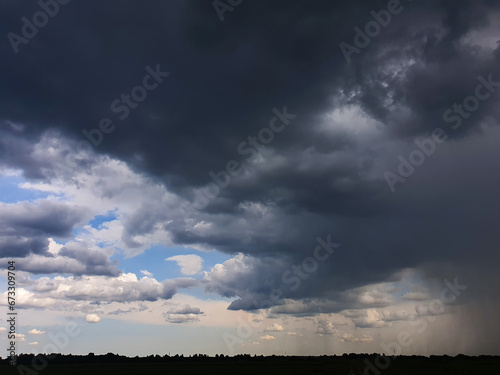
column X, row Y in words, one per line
column 24, row 227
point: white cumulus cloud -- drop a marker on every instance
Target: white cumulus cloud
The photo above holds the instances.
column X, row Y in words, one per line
column 35, row 331
column 274, row 328
column 267, row 337
column 190, row 264
column 92, row 318
column 146, row 273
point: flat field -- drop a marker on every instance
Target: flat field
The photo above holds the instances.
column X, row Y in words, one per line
column 277, row 365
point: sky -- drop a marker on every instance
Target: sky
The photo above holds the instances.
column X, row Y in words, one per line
column 262, row 177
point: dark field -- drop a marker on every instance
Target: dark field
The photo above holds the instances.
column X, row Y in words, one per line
column 266, row 365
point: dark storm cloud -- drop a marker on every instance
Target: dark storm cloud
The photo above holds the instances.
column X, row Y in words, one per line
column 95, row 261
column 226, row 78
column 20, row 245
column 25, row 227
column 41, row 156
column 92, row 263
column 182, row 313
